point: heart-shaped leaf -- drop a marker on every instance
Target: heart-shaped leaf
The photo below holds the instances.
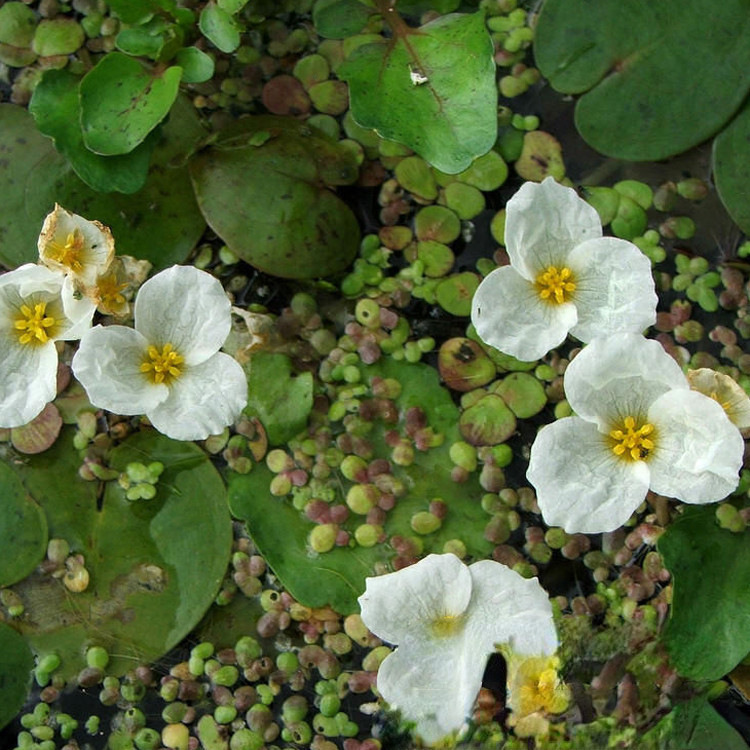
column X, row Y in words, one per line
column 16, row 663
column 155, row 565
column 710, row 569
column 56, row 108
column 731, row 163
column 337, row 577
column 270, row 173
column 432, row 89
column 122, row 101
column 657, row 82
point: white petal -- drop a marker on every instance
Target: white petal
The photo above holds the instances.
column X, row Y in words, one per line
column 107, row 364
column 724, row 390
column 509, row 314
column 620, row 376
column 30, row 278
column 614, row 288
column 507, row 608
column 98, row 246
column 543, row 223
column 400, row 607
column 79, row 312
column 697, row 451
column 185, row 307
column 580, row 484
column 28, row 379
column 203, row 401
column 431, row 686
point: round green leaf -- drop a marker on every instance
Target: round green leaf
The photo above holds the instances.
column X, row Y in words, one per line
column 219, row 28
column 710, row 570
column 432, row 89
column 155, row 565
column 196, row 65
column 17, row 24
column 657, row 83
column 337, row 19
column 16, row 663
column 56, row 108
column 300, row 229
column 57, row 36
column 122, row 101
column 23, row 529
column 731, row 162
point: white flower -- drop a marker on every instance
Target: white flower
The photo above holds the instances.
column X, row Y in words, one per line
column 563, row 277
column 446, row 619
column 639, row 427
column 169, row 368
column 37, row 308
column 725, row 391
column 75, row 246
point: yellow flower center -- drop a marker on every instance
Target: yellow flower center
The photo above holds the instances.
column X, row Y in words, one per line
column 109, row 291
column 630, row 443
column 162, row 366
column 554, row 284
column 447, row 625
column 540, row 693
column 68, row 254
column 35, row 326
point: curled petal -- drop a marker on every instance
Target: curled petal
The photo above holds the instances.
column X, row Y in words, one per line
column 698, row 451
column 28, row 382
column 71, row 244
column 203, row 400
column 543, row 223
column 725, row 391
column 185, row 307
column 107, row 364
column 580, row 484
column 620, row 376
column 507, row 608
column 401, row 606
column 78, row 310
column 614, row 288
column 430, row 686
column 509, row 314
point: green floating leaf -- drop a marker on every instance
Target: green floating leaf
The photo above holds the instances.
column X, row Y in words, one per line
column 232, row 6
column 338, row 19
column 418, row 7
column 280, row 400
column 56, row 108
column 134, row 11
column 155, row 565
column 57, row 36
column 16, row 663
column 300, row 229
column 122, row 101
column 338, row 577
column 432, row 89
column 710, row 569
column 196, row 65
column 17, row 24
column 161, row 222
column 731, row 163
column 694, row 725
column 657, row 83
column 23, row 530
column 139, row 42
column 219, row 28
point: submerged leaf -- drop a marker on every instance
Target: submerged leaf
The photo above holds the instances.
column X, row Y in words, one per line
column 432, row 89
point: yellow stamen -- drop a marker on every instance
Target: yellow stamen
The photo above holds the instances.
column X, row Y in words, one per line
column 162, row 366
column 68, row 254
column 34, row 326
column 630, row 443
column 554, row 284
column 108, row 291
column 447, row 625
